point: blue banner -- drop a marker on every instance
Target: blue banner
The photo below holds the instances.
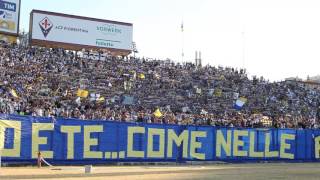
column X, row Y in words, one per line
column 77, row 141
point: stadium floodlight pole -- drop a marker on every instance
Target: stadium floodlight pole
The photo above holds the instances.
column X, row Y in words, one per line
column 134, row 49
column 182, row 42
column 243, row 47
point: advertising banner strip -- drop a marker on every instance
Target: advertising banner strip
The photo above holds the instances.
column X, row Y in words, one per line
column 73, row 141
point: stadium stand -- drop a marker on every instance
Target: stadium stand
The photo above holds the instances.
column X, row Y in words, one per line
column 57, row 83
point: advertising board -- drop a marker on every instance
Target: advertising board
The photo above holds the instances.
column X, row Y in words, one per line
column 9, row 17
column 79, row 32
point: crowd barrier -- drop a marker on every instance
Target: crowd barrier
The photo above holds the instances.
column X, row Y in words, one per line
column 75, row 141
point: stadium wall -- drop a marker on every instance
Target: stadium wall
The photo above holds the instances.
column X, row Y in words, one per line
column 72, row 141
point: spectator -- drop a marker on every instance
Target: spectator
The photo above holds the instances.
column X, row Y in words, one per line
column 43, row 82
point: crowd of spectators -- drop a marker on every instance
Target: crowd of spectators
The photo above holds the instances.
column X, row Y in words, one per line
column 44, row 82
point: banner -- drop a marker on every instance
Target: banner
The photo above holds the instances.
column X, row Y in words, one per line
column 74, row 141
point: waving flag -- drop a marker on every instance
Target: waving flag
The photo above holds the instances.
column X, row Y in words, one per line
column 14, row 93
column 142, row 76
column 82, row 93
column 101, row 99
column 240, row 103
column 157, row 113
column 128, row 100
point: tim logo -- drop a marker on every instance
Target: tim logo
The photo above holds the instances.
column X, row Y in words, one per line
column 46, row 26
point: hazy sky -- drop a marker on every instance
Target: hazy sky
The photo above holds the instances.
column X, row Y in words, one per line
column 281, row 37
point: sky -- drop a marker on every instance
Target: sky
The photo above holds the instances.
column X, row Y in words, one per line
column 275, row 39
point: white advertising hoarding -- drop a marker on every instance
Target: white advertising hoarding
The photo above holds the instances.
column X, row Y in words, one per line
column 9, row 16
column 75, row 30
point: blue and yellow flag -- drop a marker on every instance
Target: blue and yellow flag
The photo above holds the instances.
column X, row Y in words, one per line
column 240, row 103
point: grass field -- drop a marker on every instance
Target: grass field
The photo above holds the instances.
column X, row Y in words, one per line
column 219, row 171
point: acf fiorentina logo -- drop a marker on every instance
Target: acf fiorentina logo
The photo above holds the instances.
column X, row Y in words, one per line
column 45, row 25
